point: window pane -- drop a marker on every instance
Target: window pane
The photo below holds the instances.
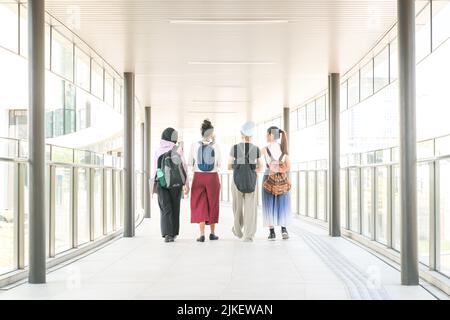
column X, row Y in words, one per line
column 381, row 205
column 62, row 55
column 302, row 118
column 311, row 194
column 444, row 227
column 396, row 208
column 423, row 31
column 311, row 114
column 294, row 192
column 367, row 80
column 321, row 106
column 343, row 194
column 117, row 96
column 423, row 211
column 293, row 121
column 63, row 198
column 9, row 31
column 321, row 195
column 83, row 206
column 353, row 90
column 7, row 207
column 303, row 194
column 98, row 203
column 117, row 199
column 354, row 199
column 344, row 97
column 381, row 69
column 23, row 31
column 367, row 203
column 108, row 201
column 441, row 22
column 109, row 89
column 82, row 69
column 97, row 80
column 393, row 61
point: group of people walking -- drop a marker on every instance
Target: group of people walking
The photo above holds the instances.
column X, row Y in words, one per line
column 171, row 179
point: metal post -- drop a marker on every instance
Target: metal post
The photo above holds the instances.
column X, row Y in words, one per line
column 129, row 188
column 334, row 169
column 408, row 163
column 36, row 90
column 147, row 161
column 286, row 121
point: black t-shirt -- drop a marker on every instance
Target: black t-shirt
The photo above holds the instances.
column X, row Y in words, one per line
column 245, row 153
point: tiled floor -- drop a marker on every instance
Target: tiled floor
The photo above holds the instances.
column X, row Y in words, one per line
column 310, row 265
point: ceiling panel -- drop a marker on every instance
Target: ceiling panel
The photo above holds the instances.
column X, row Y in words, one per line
column 265, row 54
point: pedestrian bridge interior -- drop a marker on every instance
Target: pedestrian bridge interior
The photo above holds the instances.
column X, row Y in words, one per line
column 118, row 72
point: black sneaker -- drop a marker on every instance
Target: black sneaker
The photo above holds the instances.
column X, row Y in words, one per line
column 201, row 239
column 212, row 236
column 284, row 233
column 272, row 235
column 168, row 238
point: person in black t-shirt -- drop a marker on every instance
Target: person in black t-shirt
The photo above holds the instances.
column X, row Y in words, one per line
column 245, row 161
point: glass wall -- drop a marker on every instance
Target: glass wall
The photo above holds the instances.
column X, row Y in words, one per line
column 369, row 142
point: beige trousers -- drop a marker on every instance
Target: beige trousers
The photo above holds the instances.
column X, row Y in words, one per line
column 245, row 213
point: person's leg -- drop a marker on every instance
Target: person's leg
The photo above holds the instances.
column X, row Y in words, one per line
column 237, row 211
column 202, row 232
column 165, row 206
column 213, row 199
column 198, row 206
column 250, row 215
column 176, row 202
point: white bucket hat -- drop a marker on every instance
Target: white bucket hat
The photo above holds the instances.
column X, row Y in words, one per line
column 248, row 129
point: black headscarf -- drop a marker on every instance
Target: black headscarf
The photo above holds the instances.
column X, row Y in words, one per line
column 170, row 134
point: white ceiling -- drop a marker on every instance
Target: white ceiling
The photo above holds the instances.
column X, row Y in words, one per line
column 309, row 39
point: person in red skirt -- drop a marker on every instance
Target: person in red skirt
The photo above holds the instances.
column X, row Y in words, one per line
column 205, row 191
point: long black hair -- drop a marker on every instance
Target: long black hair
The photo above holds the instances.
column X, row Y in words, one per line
column 277, row 134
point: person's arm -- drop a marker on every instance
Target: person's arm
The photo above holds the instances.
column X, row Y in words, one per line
column 230, row 163
column 287, row 163
column 259, row 164
column 185, row 166
column 231, row 159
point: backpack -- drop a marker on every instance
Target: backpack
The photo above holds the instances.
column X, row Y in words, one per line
column 170, row 173
column 244, row 175
column 277, row 182
column 206, row 157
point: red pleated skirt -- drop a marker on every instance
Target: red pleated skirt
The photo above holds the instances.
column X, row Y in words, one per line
column 205, row 198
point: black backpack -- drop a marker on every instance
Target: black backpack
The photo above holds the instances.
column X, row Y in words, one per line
column 244, row 174
column 171, row 165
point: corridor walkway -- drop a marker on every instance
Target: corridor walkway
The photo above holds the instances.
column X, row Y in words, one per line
column 308, row 266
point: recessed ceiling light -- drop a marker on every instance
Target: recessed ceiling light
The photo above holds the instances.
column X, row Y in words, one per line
column 228, row 22
column 231, row 62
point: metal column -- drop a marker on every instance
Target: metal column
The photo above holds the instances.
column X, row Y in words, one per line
column 147, row 160
column 129, row 189
column 286, row 121
column 36, row 138
column 408, row 163
column 334, row 224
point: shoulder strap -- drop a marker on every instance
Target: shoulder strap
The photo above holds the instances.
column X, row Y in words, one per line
column 269, row 153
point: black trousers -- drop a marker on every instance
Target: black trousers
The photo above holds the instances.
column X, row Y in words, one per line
column 169, row 205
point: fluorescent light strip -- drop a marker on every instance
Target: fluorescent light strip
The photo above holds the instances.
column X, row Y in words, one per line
column 220, row 101
column 231, row 62
column 212, row 112
column 228, row 22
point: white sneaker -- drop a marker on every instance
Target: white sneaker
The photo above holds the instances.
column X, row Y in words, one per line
column 248, row 240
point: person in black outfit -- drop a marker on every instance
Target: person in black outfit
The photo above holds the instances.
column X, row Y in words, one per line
column 169, row 199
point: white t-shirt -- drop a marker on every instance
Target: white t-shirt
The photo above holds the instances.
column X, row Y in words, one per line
column 193, row 156
column 275, row 151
